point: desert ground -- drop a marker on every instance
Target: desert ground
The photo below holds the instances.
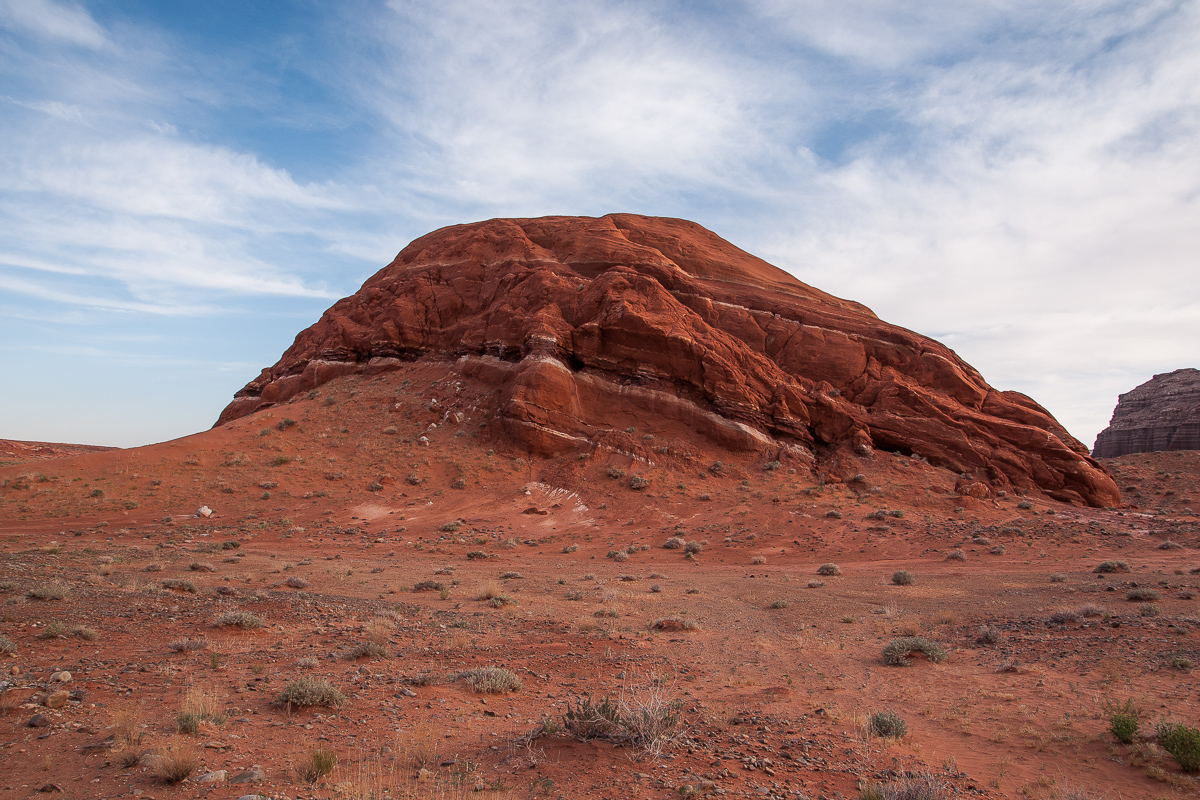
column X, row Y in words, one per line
column 378, row 534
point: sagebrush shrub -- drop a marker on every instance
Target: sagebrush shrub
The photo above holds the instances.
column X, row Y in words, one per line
column 898, row 650
column 829, row 569
column 903, row 577
column 887, row 724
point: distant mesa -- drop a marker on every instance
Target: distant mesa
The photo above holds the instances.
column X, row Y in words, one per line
column 586, row 323
column 1161, row 414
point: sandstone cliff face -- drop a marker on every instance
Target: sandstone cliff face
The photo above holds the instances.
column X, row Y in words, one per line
column 577, row 317
column 1161, row 414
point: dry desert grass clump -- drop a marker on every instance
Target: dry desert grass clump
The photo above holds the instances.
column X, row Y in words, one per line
column 315, row 764
column 829, row 569
column 175, row 761
column 903, row 577
column 199, row 706
column 310, row 691
column 368, row 650
column 488, row 680
column 244, row 620
column 1108, row 567
column 49, row 591
column 920, row 787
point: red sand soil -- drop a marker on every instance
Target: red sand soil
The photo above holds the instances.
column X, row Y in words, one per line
column 330, row 511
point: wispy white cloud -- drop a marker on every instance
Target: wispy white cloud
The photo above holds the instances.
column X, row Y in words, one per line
column 525, row 104
column 1044, row 222
column 66, row 22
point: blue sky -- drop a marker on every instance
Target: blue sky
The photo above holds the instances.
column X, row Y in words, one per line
column 185, row 186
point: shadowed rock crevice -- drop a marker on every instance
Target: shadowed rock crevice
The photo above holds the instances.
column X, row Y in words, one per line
column 574, row 316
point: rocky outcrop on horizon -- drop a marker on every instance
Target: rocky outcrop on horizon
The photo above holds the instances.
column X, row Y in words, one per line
column 1161, row 414
column 578, row 318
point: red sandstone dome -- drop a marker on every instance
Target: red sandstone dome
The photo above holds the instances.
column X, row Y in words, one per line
column 578, row 317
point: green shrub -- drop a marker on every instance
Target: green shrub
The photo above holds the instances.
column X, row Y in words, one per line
column 308, row 691
column 898, row 650
column 586, row 719
column 903, row 577
column 887, row 724
column 1182, row 742
column 637, row 483
column 1123, row 722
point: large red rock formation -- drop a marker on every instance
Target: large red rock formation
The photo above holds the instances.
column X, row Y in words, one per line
column 1161, row 414
column 576, row 318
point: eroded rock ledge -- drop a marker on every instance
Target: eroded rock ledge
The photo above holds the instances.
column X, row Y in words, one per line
column 576, row 316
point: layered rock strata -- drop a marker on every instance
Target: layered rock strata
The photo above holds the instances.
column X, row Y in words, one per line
column 576, row 318
column 1161, row 414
